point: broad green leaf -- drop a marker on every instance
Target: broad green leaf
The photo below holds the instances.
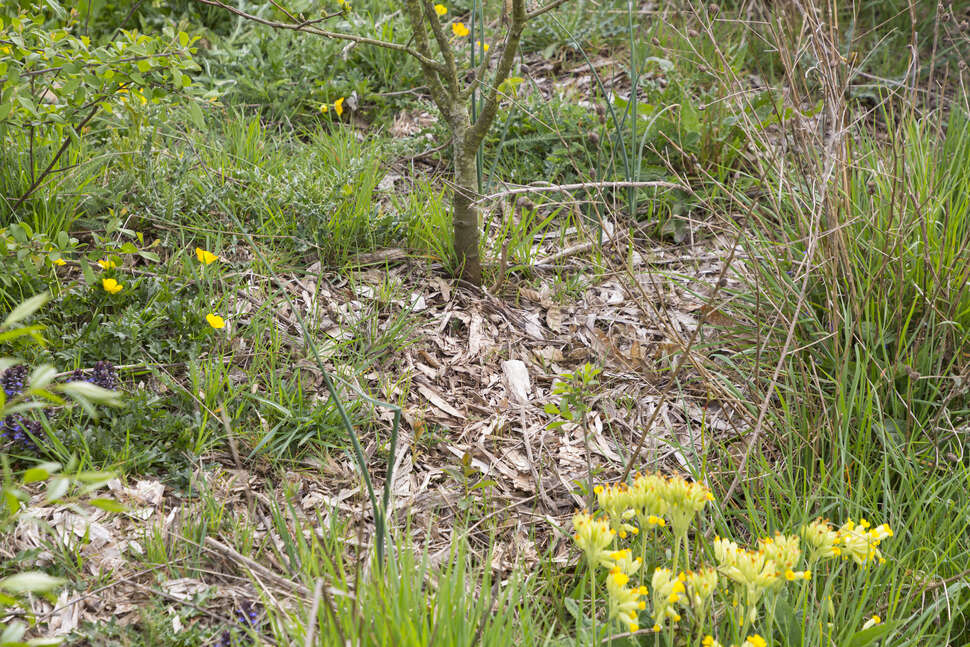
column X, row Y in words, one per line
column 108, row 505
column 872, row 634
column 31, row 582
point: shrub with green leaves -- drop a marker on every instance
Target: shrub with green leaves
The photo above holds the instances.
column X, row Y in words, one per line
column 54, row 82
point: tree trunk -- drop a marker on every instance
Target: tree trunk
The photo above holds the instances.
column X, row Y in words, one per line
column 464, row 212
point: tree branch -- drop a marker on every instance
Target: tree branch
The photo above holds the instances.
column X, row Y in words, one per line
column 477, row 132
column 441, row 96
column 443, row 45
column 541, row 10
column 308, row 28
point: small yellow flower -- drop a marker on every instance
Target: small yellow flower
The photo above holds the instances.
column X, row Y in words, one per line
column 872, row 622
column 107, row 264
column 205, row 257
column 215, row 321
column 60, row 262
column 459, row 29
column 478, row 44
column 324, row 108
column 440, row 9
column 338, row 106
column 111, row 286
column 755, row 641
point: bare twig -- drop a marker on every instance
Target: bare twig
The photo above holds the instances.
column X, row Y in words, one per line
column 310, row 29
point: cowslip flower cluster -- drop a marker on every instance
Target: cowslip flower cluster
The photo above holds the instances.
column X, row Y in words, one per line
column 594, row 537
column 616, row 502
column 784, row 551
column 822, row 539
column 751, row 571
column 624, row 601
column 667, row 590
column 860, row 543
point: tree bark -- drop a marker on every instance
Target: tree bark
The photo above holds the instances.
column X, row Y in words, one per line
column 464, row 211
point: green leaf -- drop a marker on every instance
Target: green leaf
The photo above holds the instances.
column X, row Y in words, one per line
column 872, row 634
column 57, row 488
column 35, row 474
column 108, row 505
column 25, row 309
column 183, row 38
column 31, row 582
column 91, row 393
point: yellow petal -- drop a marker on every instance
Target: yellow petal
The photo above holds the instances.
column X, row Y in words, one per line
column 338, row 106
column 459, row 29
column 107, row 264
column 111, row 286
column 204, row 256
column 59, row 262
column 215, row 321
column 440, row 9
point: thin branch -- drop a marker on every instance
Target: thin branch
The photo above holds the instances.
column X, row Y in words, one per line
column 541, row 10
column 477, row 132
column 306, row 27
column 441, row 96
column 443, row 44
column 561, row 188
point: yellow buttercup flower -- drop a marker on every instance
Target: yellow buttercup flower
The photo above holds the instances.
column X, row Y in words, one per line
column 440, row 9
column 107, row 264
column 60, row 262
column 324, row 107
column 484, row 47
column 755, row 641
column 459, row 29
column 872, row 622
column 205, row 257
column 215, row 321
column 111, row 286
column 338, row 106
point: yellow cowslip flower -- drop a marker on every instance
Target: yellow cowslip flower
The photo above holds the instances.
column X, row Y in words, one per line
column 754, row 641
column 624, row 602
column 624, row 561
column 111, row 286
column 215, row 321
column 666, row 593
column 594, row 537
column 107, row 264
column 861, row 544
column 440, row 9
column 700, row 588
column 338, row 106
column 205, row 257
column 784, row 551
column 615, row 501
column 60, row 262
column 459, row 29
column 684, row 500
column 478, row 44
column 710, row 641
column 872, row 622
column 647, row 500
column 822, row 539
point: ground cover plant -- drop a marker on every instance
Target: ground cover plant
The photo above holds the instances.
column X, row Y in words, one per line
column 562, row 323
